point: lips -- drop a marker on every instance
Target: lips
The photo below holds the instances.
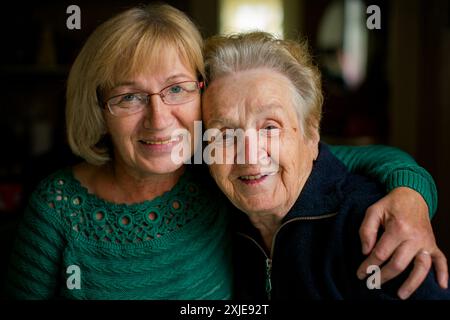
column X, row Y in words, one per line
column 160, row 145
column 159, row 141
column 259, row 176
column 255, row 177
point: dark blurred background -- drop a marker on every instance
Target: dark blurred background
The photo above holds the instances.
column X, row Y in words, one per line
column 389, row 85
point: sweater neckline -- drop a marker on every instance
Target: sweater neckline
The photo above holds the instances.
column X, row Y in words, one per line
column 78, row 207
column 184, row 178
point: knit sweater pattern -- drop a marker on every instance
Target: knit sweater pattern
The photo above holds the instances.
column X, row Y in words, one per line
column 175, row 246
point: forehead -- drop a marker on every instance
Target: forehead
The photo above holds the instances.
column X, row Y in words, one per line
column 165, row 61
column 155, row 64
column 252, row 91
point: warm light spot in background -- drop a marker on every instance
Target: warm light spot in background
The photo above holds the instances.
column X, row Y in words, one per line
column 250, row 15
column 355, row 43
column 343, row 31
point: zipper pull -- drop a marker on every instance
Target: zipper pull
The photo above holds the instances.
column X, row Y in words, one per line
column 268, row 277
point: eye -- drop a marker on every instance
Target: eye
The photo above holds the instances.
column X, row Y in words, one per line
column 270, row 130
column 129, row 97
column 176, row 89
column 130, row 100
column 127, row 100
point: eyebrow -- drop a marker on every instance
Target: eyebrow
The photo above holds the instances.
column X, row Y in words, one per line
column 261, row 110
column 166, row 82
column 124, row 84
column 178, row 75
column 272, row 106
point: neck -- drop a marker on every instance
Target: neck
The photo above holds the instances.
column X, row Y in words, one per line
column 128, row 186
column 269, row 222
column 267, row 226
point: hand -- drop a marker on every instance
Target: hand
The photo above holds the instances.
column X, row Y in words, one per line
column 408, row 235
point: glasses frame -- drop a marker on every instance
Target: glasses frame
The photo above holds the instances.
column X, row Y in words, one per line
column 200, row 85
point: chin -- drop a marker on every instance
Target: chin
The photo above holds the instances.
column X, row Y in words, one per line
column 163, row 167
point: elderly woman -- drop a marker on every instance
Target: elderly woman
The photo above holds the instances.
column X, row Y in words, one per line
column 299, row 238
column 129, row 222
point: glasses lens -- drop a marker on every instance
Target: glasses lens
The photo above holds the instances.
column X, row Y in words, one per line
column 181, row 92
column 127, row 103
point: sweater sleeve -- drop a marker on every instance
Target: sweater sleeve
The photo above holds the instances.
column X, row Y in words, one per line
column 34, row 268
column 390, row 166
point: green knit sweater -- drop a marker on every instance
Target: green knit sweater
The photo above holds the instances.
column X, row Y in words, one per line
column 73, row 244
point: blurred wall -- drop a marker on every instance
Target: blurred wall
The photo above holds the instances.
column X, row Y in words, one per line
column 419, row 105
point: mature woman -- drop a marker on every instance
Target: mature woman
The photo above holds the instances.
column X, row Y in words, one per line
column 130, row 223
column 299, row 238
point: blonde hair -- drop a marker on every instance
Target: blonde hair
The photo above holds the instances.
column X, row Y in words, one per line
column 230, row 54
column 123, row 46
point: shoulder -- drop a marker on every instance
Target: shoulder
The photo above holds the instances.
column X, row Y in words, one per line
column 354, row 192
column 357, row 194
column 49, row 187
column 42, row 214
column 360, row 192
column 57, row 188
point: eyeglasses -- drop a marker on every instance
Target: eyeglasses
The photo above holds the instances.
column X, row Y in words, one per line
column 134, row 102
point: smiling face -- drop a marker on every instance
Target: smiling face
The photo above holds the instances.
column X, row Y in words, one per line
column 143, row 142
column 260, row 99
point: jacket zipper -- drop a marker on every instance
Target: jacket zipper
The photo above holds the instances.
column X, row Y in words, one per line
column 269, row 258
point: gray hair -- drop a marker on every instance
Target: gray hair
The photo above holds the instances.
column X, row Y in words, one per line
column 225, row 55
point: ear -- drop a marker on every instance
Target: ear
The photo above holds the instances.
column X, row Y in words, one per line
column 313, row 130
column 314, row 136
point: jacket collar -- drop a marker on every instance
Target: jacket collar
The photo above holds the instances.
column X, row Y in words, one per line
column 322, row 192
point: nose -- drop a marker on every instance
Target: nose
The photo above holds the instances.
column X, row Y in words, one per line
column 253, row 151
column 157, row 115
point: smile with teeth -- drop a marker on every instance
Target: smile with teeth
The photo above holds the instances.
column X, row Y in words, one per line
column 256, row 177
column 167, row 141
